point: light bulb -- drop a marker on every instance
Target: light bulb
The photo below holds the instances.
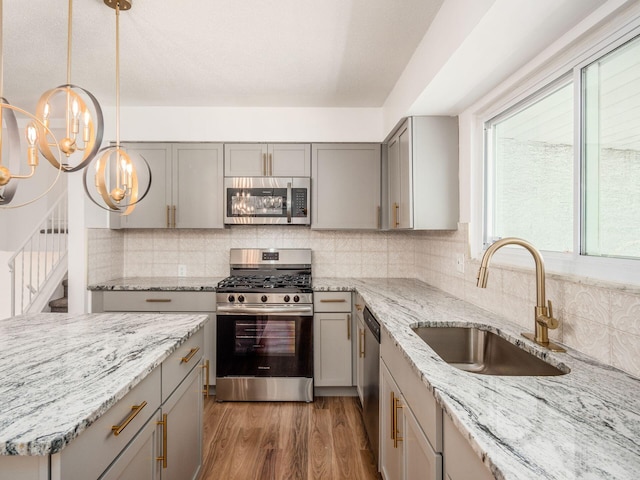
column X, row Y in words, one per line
column 32, row 134
column 75, row 109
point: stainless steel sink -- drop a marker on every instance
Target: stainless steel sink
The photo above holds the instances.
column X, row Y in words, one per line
column 479, row 351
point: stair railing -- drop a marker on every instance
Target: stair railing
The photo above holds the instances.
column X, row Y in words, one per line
column 41, row 261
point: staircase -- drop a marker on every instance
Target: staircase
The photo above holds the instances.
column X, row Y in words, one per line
column 61, row 305
column 39, row 266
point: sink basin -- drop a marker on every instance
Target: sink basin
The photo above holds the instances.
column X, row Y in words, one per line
column 479, row 351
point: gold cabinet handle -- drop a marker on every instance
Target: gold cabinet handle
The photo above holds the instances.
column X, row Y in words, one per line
column 163, row 458
column 206, row 379
column 332, row 300
column 190, row 355
column 392, row 402
column 158, row 300
column 135, row 410
column 396, row 215
column 173, row 213
column 264, row 164
column 168, row 214
column 348, row 326
column 358, row 307
column 270, row 164
column 362, row 340
column 396, row 437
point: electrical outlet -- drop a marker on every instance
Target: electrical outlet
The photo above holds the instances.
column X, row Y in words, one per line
column 460, row 262
column 182, row 270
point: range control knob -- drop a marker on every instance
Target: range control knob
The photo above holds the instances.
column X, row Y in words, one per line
column 296, row 298
column 231, row 298
column 287, row 298
column 263, row 298
column 241, row 298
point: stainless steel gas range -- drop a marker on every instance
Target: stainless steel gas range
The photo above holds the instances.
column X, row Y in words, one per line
column 265, row 327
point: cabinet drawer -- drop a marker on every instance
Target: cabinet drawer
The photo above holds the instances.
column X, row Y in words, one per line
column 92, row 452
column 181, row 362
column 155, row 301
column 416, row 393
column 332, row 302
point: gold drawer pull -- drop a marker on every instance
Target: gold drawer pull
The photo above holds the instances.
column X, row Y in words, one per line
column 396, row 434
column 332, row 300
column 190, row 355
column 163, row 458
column 158, row 300
column 135, row 410
column 206, row 381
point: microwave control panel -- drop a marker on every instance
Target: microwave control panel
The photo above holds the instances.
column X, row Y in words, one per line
column 299, row 202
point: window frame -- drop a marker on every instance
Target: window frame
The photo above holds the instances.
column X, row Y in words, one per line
column 568, row 66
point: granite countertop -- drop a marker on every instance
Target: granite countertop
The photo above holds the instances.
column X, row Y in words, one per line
column 585, row 424
column 185, row 284
column 59, row 373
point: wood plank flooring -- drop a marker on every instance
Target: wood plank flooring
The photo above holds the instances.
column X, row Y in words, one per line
column 286, row 440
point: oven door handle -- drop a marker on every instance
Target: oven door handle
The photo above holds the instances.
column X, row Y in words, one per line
column 259, row 310
column 289, row 200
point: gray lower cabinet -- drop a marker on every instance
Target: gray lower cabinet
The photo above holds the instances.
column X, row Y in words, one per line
column 186, row 187
column 332, row 329
column 345, row 186
column 460, row 461
column 422, row 174
column 410, row 420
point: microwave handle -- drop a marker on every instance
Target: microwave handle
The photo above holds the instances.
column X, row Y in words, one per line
column 289, row 200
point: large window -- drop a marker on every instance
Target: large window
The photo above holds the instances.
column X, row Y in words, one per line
column 611, row 136
column 535, row 160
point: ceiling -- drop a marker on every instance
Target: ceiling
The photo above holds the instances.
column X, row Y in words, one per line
column 285, row 53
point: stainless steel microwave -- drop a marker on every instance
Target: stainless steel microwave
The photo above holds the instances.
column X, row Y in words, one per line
column 267, row 200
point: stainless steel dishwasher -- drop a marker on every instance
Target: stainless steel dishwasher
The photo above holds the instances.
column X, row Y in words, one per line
column 371, row 379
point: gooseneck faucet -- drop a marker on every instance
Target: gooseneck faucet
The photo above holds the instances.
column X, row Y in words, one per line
column 544, row 319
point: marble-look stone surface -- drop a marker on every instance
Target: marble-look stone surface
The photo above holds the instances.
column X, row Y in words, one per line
column 193, row 284
column 585, row 424
column 59, row 373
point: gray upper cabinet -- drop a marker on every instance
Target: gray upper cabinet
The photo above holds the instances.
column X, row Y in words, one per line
column 422, row 174
column 345, row 185
column 262, row 159
column 186, row 188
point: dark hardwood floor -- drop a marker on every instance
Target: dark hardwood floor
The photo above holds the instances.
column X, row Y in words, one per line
column 286, row 440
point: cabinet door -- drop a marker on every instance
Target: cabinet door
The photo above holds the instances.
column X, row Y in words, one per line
column 400, row 178
column 460, row 461
column 183, row 410
column 198, row 185
column 420, row 460
column 151, row 211
column 245, row 159
column 360, row 344
column 332, row 349
column 289, row 160
column 138, row 460
column 346, row 186
column 391, row 427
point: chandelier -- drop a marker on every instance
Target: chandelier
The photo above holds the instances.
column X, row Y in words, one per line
column 81, row 118
column 115, row 186
column 11, row 151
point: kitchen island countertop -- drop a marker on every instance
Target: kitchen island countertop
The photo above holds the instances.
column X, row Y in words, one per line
column 60, row 372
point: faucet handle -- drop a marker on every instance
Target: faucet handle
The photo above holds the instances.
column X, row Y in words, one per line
column 551, row 322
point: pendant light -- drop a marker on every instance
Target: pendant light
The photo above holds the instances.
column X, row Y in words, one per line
column 115, row 181
column 83, row 121
column 11, row 150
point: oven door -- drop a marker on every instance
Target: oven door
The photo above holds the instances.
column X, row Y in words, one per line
column 266, row 200
column 264, row 346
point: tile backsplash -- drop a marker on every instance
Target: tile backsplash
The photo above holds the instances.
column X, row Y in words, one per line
column 598, row 318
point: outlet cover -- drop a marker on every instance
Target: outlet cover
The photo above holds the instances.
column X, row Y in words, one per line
column 460, row 263
column 182, row 270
